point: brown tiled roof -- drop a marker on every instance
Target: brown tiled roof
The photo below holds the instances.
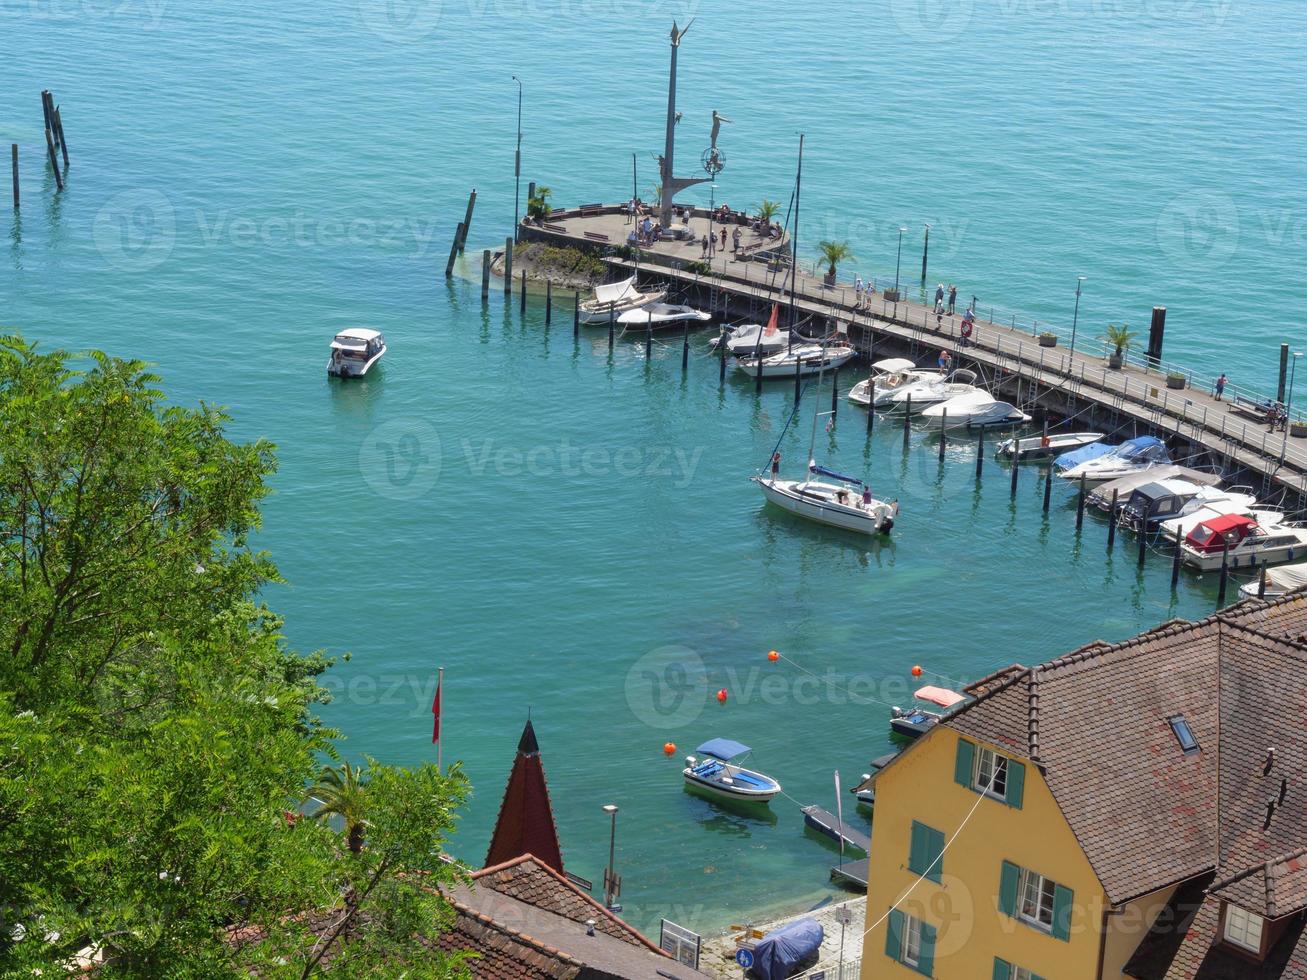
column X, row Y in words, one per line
column 1272, row 890
column 525, row 824
column 501, row 953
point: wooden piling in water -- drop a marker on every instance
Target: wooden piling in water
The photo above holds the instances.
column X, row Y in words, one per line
column 549, row 302
column 907, row 419
column 13, row 148
column 54, row 160
column 685, row 347
column 943, row 434
column 1080, row 506
column 980, row 452
column 835, row 395
column 1225, row 575
column 1261, row 584
column 1143, row 540
column 508, row 266
column 721, row 362
column 798, row 386
column 454, row 249
column 648, row 342
column 522, row 305
column 1111, row 525
column 612, row 318
column 576, row 317
column 1175, row 562
column 757, row 376
column 466, row 226
column 871, row 410
column 485, row 275
column 59, row 134
column 1016, row 468
column 1048, row 488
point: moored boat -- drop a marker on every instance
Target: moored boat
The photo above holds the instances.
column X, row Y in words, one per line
column 920, row 396
column 890, row 374
column 718, row 773
column 354, row 351
column 1240, row 540
column 806, row 359
column 915, row 722
column 1045, row 446
column 611, row 300
column 973, row 410
column 1279, row 581
column 660, row 316
column 847, row 504
column 1161, row 500
column 1132, row 456
column 752, row 340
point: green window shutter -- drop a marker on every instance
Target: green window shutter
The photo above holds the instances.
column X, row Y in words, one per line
column 1016, row 783
column 927, row 844
column 1007, row 888
column 916, row 863
column 894, row 935
column 964, row 763
column 926, row 961
column 1062, row 901
column 934, row 850
column 1002, row 969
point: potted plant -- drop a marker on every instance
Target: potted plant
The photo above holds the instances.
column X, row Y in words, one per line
column 833, row 253
column 1047, row 339
column 1298, row 430
column 537, row 206
column 1121, row 337
column 767, row 210
column 1176, row 380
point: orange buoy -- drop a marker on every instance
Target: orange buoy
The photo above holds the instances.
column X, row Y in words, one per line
column 773, row 656
column 669, row 748
column 722, row 696
column 916, row 671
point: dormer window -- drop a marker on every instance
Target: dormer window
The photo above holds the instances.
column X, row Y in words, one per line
column 1184, row 734
column 1243, row 929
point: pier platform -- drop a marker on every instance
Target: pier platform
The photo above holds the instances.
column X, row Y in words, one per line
column 825, row 822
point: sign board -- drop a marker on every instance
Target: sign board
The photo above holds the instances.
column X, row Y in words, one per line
column 744, row 957
column 580, row 882
column 681, row 944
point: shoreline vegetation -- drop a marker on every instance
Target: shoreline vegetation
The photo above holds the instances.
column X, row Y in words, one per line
column 565, row 266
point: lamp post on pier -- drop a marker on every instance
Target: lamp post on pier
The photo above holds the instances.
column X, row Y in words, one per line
column 517, row 164
column 612, row 884
column 1288, row 405
column 1075, row 319
column 898, row 263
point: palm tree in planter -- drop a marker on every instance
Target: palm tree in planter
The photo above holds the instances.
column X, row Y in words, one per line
column 834, row 253
column 1121, row 337
column 343, row 793
column 766, row 211
column 537, row 206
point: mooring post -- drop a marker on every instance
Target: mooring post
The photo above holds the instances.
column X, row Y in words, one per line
column 757, row 378
column 1016, row 469
column 576, row 316
column 522, row 305
column 685, row 347
column 1261, row 584
column 1225, row 574
column 1143, row 538
column 1048, row 488
column 1284, row 370
column 54, row 160
column 907, row 419
column 1111, row 525
column 1080, row 506
column 871, row 409
column 648, row 340
column 485, row 275
column 721, row 361
column 1175, row 562
column 466, row 226
column 59, row 134
column 798, row 387
column 980, row 452
column 453, row 251
column 508, row 266
column 45, row 108
column 14, row 154
column 835, row 395
column 612, row 324
column 549, row 302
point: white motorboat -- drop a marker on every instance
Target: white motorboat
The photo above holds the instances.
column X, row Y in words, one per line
column 1044, row 446
column 660, row 316
column 1132, row 456
column 1160, row 500
column 1186, row 523
column 805, row 358
column 973, row 410
column 612, row 299
column 719, row 774
column 354, row 351
column 1101, row 496
column 1240, row 540
column 752, row 340
column 891, row 374
column 916, row 721
column 918, row 397
column 847, row 504
column 1279, row 581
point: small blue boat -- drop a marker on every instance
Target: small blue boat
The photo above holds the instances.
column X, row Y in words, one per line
column 718, row 773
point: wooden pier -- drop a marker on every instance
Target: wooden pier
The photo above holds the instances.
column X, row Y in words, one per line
column 825, row 822
column 1137, row 396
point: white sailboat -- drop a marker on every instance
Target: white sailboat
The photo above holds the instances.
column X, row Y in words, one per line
column 929, row 391
column 806, row 359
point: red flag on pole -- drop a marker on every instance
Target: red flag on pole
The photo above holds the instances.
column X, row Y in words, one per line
column 771, row 322
column 435, row 709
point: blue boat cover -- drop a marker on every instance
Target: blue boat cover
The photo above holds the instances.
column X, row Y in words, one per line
column 1144, row 447
column 831, row 473
column 722, row 748
column 787, row 951
column 1083, row 455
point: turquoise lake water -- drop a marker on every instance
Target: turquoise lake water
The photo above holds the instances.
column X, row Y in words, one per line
column 573, row 533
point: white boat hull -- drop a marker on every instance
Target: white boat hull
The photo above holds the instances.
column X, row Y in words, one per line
column 817, row 501
column 350, row 368
column 1244, row 558
column 1033, row 447
column 591, row 312
column 783, row 366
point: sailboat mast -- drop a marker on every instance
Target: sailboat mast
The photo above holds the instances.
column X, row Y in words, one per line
column 794, row 242
column 821, row 374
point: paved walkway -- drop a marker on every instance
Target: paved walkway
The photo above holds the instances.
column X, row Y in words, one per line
column 718, row 955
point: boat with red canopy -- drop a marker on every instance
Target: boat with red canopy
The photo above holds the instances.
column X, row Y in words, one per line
column 1249, row 544
column 917, row 721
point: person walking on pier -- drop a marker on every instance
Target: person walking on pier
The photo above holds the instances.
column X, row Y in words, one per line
column 1220, row 386
column 723, row 239
column 857, row 293
column 703, row 254
column 735, row 240
column 952, row 298
column 939, row 296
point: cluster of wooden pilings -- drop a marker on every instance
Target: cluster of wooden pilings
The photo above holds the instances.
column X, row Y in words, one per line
column 55, row 145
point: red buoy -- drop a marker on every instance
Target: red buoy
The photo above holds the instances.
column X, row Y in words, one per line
column 773, row 656
column 721, row 696
column 669, row 748
column 916, row 671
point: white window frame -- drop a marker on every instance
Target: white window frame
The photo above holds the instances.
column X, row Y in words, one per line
column 1021, row 973
column 1239, row 928
column 910, row 946
column 1045, row 890
column 980, row 781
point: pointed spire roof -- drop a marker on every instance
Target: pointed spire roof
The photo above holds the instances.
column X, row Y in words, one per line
column 526, row 818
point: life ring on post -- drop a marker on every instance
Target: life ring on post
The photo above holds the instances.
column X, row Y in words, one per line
column 966, row 329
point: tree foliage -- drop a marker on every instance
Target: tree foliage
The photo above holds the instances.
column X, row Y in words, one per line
column 156, row 734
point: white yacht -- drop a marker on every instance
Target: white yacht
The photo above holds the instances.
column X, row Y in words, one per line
column 612, row 299
column 354, row 351
column 752, row 340
column 1243, row 542
column 931, row 391
column 1042, row 447
column 891, row 374
column 805, row 358
column 660, row 316
column 1132, row 456
column 973, row 410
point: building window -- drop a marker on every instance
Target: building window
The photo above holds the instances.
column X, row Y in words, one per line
column 1036, row 902
column 911, row 949
column 910, row 941
column 926, row 852
column 1183, row 734
column 1004, row 970
column 991, row 774
column 1244, row 929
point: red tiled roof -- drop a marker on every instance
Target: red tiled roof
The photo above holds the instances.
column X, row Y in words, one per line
column 526, row 818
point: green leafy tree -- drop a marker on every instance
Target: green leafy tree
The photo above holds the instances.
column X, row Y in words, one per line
column 1121, row 337
column 537, row 205
column 155, row 728
column 834, row 253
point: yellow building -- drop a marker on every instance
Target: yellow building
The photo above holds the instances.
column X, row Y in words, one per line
column 1113, row 813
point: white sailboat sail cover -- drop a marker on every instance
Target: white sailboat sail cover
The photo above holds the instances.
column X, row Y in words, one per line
column 614, row 292
column 1287, row 577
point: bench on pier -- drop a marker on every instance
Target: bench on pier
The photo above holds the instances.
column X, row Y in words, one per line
column 1251, row 407
column 597, row 236
column 552, row 227
column 555, row 212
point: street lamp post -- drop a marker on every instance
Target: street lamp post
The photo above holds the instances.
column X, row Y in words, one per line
column 1288, row 405
column 612, row 884
column 898, row 263
column 517, row 164
column 1075, row 319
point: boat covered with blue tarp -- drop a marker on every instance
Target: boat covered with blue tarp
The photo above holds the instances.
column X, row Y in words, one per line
column 787, row 951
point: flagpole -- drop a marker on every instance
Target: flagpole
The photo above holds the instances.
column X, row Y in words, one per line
column 440, row 742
